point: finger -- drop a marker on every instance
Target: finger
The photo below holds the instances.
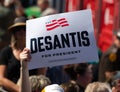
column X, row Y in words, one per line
column 26, row 56
column 26, row 50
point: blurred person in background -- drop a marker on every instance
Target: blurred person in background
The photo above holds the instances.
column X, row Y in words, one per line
column 70, row 73
column 55, row 74
column 83, row 75
column 53, row 88
column 115, row 81
column 9, row 57
column 16, row 6
column 19, row 10
column 116, row 86
column 9, row 10
column 38, row 82
column 6, row 19
column 98, row 87
column 10, row 3
column 110, row 61
column 70, row 87
column 80, row 75
column 45, row 8
column 28, row 3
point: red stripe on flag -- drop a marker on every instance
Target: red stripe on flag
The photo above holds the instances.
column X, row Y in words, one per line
column 65, row 25
column 61, row 19
column 62, row 22
column 54, row 20
column 51, row 24
column 51, row 28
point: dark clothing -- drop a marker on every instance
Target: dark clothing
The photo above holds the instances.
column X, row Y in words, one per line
column 55, row 74
column 28, row 3
column 95, row 69
column 110, row 61
column 81, row 89
column 13, row 65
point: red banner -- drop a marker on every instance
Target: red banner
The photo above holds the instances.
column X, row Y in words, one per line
column 103, row 22
column 105, row 37
column 72, row 5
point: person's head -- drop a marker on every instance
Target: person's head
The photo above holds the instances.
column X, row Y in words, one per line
column 43, row 4
column 84, row 74
column 18, row 30
column 116, row 86
column 70, row 87
column 38, row 82
column 98, row 87
column 115, row 81
column 117, row 38
column 69, row 70
column 9, row 3
column 19, row 11
column 53, row 88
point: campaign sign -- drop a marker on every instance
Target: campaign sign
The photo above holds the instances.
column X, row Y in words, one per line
column 60, row 39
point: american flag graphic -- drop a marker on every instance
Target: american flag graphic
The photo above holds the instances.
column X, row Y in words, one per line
column 62, row 22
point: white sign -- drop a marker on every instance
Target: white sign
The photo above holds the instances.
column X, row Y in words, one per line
column 60, row 39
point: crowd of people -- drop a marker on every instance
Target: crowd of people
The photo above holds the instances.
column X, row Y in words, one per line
column 103, row 76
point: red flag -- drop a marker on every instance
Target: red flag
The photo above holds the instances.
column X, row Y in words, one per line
column 106, row 34
column 72, row 5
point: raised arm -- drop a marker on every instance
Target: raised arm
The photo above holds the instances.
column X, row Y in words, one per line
column 24, row 74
